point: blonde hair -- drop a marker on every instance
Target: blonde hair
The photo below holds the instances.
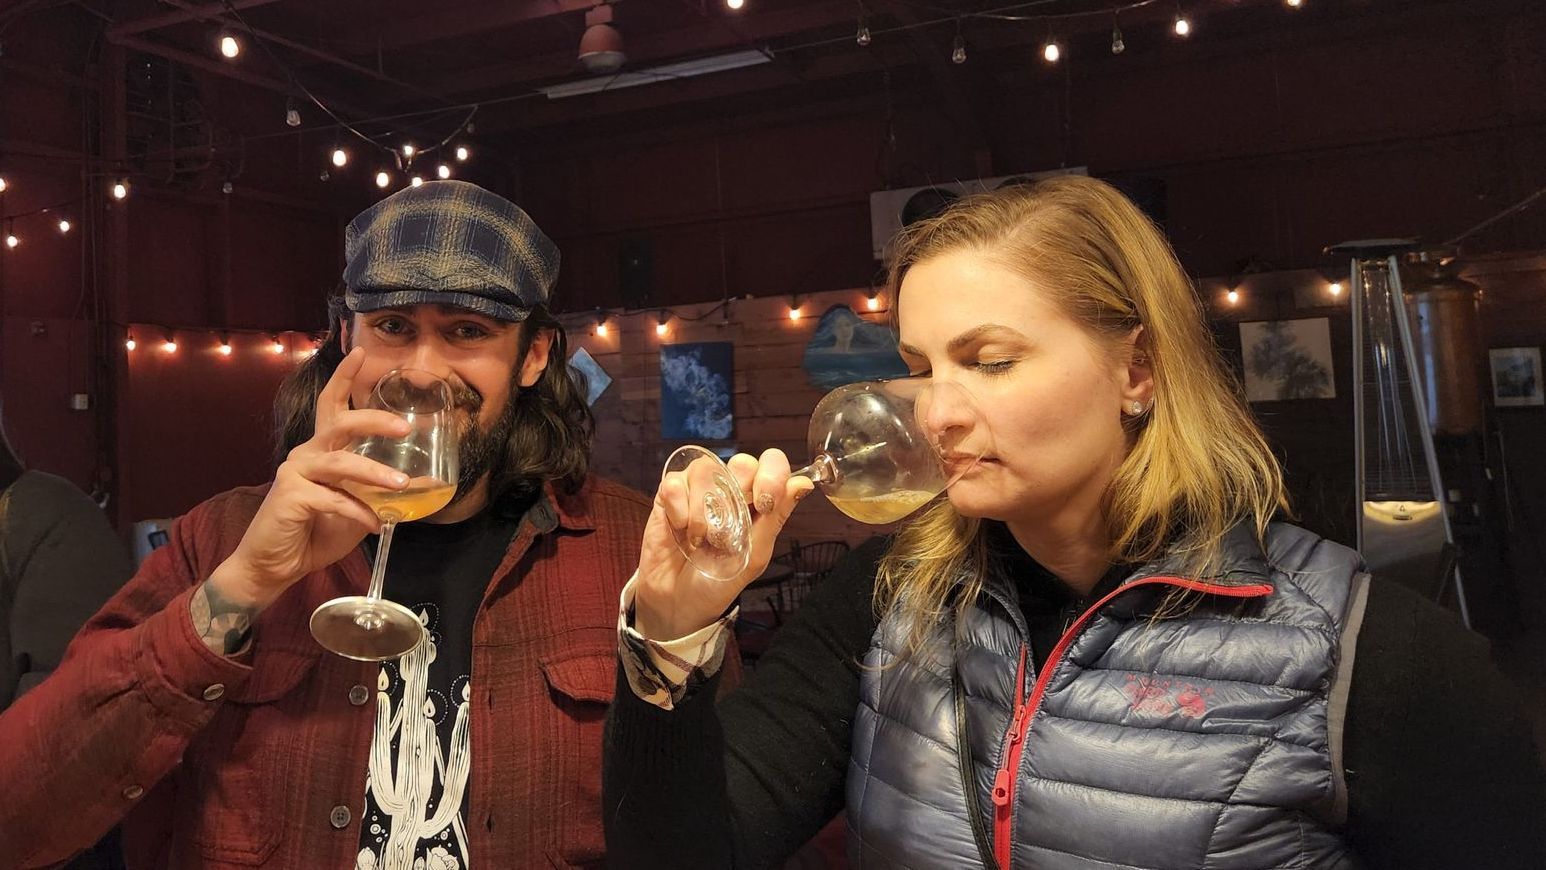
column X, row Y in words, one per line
column 1198, row 465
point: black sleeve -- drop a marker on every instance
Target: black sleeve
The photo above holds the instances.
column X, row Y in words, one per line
column 746, row 783
column 1441, row 766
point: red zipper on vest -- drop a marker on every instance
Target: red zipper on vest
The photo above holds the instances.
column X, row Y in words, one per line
column 1005, row 780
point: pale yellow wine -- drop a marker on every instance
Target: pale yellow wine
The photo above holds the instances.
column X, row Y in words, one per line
column 884, row 508
column 424, row 496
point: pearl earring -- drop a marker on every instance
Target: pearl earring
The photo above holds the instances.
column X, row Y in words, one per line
column 1135, row 407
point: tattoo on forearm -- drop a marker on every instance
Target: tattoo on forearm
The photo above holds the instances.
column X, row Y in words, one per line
column 222, row 624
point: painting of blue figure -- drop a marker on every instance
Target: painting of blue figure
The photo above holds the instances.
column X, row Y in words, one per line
column 696, row 382
column 596, row 378
column 847, row 349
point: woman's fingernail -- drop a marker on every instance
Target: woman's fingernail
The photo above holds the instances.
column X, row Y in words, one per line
column 800, row 493
column 400, row 479
column 765, row 503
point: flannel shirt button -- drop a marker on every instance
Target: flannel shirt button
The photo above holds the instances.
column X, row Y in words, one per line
column 339, row 817
column 214, row 692
column 133, row 792
column 359, row 695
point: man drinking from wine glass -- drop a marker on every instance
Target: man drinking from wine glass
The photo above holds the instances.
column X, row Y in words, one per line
column 197, row 709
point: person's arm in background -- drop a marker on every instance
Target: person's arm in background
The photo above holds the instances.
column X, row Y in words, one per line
column 65, row 563
column 1442, row 769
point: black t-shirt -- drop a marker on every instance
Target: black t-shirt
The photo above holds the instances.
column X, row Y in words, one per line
column 415, row 792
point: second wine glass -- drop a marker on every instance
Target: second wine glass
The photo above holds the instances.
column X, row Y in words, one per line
column 369, row 627
column 881, row 450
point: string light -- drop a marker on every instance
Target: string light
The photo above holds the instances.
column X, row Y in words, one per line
column 1294, row 4
column 225, row 347
column 862, row 37
column 1117, row 45
column 170, row 345
column 292, row 114
column 462, row 153
column 383, row 179
column 601, row 327
column 1334, row 288
column 443, row 171
column 1183, row 27
column 874, row 302
column 416, row 181
column 11, row 241
column 2, row 184
column 340, row 157
column 64, row 225
column 277, row 346
column 230, row 46
column 409, row 150
column 1233, row 296
column 794, row 310
column 120, row 189
column 735, row 4
column 661, row 328
column 1051, row 51
column 129, row 343
column 958, row 53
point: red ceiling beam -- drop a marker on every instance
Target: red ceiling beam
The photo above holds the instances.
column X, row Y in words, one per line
column 440, row 23
column 180, row 16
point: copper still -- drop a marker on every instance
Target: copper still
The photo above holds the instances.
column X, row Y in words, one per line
column 1446, row 339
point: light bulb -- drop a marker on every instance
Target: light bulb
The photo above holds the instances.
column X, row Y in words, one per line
column 409, row 150
column 661, row 328
column 340, row 157
column 462, row 153
column 120, row 189
column 443, row 171
column 2, row 184
column 416, row 181
column 1117, row 45
column 229, row 46
column 278, row 346
column 958, row 53
column 1233, row 296
column 1335, row 288
column 1051, row 51
column 735, row 4
column 292, row 117
column 794, row 312
column 64, row 225
column 1294, row 4
column 169, row 346
column 601, row 329
column 225, row 348
column 874, row 303
column 11, row 241
column 129, row 343
column 382, row 179
column 863, row 36
column 1183, row 27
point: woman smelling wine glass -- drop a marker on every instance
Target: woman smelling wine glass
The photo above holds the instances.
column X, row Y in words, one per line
column 1103, row 648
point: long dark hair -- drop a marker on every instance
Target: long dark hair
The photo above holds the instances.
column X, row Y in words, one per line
column 551, row 437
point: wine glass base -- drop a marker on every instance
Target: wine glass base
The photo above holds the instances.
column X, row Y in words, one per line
column 725, row 550
column 366, row 629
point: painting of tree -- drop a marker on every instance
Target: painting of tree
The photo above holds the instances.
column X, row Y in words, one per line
column 1288, row 359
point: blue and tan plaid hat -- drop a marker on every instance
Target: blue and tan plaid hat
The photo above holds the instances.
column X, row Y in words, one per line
column 448, row 243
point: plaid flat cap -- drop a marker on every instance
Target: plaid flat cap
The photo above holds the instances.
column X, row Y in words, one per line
column 448, row 243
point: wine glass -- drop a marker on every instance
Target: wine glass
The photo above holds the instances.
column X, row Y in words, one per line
column 368, row 627
column 882, row 449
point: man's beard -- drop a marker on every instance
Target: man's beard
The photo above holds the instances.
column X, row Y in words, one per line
column 480, row 452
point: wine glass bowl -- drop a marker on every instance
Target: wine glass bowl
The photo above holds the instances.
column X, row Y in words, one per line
column 369, row 627
column 881, row 450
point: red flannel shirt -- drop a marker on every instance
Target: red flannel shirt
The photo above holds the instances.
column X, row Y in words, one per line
column 210, row 762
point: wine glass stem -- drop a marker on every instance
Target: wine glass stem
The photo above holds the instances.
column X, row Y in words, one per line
column 378, row 570
column 821, row 470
